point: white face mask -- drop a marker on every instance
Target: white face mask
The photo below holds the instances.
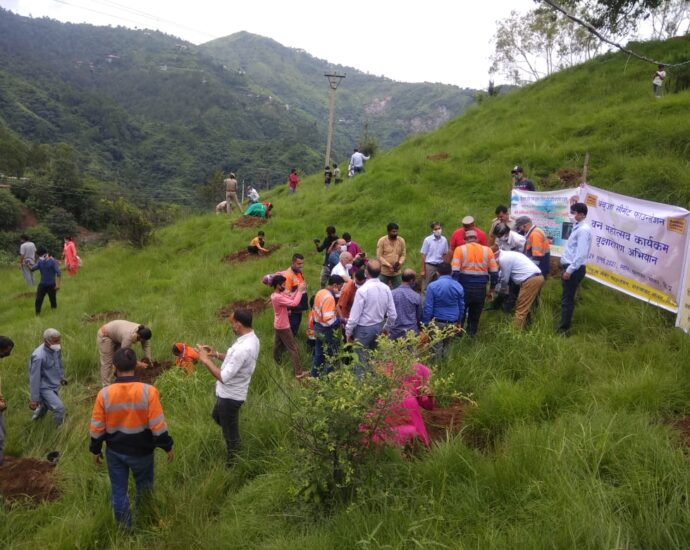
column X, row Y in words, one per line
column 348, row 266
column 55, row 347
column 343, row 248
column 337, row 294
column 438, row 232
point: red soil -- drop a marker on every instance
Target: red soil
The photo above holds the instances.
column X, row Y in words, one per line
column 248, row 221
column 243, row 255
column 441, row 422
column 23, row 479
column 256, row 306
column 150, row 374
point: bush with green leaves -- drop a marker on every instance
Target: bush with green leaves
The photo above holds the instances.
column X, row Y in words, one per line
column 127, row 222
column 61, row 223
column 10, row 210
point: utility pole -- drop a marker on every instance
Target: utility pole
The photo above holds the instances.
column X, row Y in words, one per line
column 333, row 81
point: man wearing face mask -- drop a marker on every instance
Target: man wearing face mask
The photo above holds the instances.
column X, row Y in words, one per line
column 293, row 280
column 50, row 279
column 507, row 239
column 573, row 262
column 120, row 334
column 390, row 250
column 343, row 267
column 347, row 295
column 434, row 250
column 46, row 375
column 537, row 246
column 408, row 306
column 326, row 321
column 325, row 247
column 283, row 300
column 520, row 181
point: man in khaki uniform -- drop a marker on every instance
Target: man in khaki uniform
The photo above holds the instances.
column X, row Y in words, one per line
column 120, row 334
column 231, row 192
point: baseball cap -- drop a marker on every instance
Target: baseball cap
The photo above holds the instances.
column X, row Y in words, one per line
column 516, row 168
column 467, row 220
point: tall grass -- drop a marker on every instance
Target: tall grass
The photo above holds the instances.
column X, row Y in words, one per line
column 569, row 444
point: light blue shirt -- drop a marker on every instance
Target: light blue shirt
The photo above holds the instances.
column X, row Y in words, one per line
column 577, row 248
column 434, row 249
column 45, row 371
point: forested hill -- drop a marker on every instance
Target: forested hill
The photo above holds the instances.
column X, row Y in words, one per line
column 148, row 110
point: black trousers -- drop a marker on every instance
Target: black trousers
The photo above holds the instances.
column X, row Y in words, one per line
column 41, row 292
column 226, row 413
column 568, row 296
column 474, row 304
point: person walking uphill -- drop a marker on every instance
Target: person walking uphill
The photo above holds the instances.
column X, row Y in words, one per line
column 283, row 336
column 231, row 193
column 50, row 279
column 120, row 334
column 232, row 378
column 46, row 375
column 128, row 417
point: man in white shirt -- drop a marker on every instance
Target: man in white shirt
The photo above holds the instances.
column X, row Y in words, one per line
column 344, row 266
column 233, row 378
column 372, row 311
column 434, row 251
column 521, row 271
column 357, row 161
column 27, row 258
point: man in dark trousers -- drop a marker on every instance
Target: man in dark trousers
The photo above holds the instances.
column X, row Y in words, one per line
column 128, row 417
column 233, row 378
column 50, row 279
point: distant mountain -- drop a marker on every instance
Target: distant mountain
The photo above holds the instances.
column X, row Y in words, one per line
column 149, row 111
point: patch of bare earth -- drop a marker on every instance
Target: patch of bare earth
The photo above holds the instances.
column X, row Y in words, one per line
column 443, row 421
column 437, row 156
column 244, row 255
column 28, row 479
column 248, row 221
column 256, row 306
column 150, row 373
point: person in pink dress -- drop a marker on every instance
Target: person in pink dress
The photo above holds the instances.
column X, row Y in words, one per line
column 69, row 256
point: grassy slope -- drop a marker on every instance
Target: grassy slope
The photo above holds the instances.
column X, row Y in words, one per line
column 579, row 452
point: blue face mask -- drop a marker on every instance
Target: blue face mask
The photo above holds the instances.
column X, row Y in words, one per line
column 297, row 270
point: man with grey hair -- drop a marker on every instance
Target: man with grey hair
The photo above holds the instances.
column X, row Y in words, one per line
column 343, row 267
column 46, row 375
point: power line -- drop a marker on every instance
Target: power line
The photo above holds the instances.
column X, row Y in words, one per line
column 591, row 29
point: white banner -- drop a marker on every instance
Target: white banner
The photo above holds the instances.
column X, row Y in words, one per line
column 549, row 210
column 683, row 317
column 638, row 246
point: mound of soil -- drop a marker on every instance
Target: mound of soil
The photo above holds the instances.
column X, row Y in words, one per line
column 23, row 295
column 683, row 426
column 248, row 221
column 23, row 479
column 243, row 255
column 446, row 420
column 256, row 306
column 105, row 316
column 150, row 374
column 438, row 156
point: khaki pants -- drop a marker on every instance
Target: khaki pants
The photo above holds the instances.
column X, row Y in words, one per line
column 230, row 197
column 431, row 270
column 106, row 349
column 529, row 292
column 284, row 340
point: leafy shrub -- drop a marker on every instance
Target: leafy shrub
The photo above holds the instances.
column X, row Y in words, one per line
column 42, row 236
column 61, row 222
column 10, row 210
column 127, row 222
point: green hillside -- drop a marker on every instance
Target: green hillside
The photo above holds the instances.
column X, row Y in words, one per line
column 571, row 443
column 152, row 112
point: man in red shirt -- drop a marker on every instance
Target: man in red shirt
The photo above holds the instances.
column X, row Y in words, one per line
column 458, row 237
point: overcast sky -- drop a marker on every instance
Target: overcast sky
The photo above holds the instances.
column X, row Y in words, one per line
column 413, row 41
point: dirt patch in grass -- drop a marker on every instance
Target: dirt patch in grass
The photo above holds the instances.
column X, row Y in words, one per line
column 23, row 295
column 256, row 306
column 105, row 316
column 244, row 255
column 683, row 427
column 28, row 479
column 248, row 221
column 443, row 421
column 437, row 156
column 152, row 372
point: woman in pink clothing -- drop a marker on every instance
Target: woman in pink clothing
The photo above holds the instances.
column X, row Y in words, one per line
column 403, row 417
column 69, row 255
column 284, row 339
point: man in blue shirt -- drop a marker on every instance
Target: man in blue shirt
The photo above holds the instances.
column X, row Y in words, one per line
column 573, row 263
column 408, row 306
column 444, row 304
column 50, row 279
column 46, row 375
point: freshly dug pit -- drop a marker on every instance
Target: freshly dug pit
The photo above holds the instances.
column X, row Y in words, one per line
column 248, row 221
column 444, row 421
column 256, row 306
column 437, row 156
column 150, row 374
column 105, row 316
column 28, row 479
column 683, row 426
column 243, row 255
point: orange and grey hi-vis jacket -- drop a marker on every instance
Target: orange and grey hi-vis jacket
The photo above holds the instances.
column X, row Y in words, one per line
column 128, row 415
